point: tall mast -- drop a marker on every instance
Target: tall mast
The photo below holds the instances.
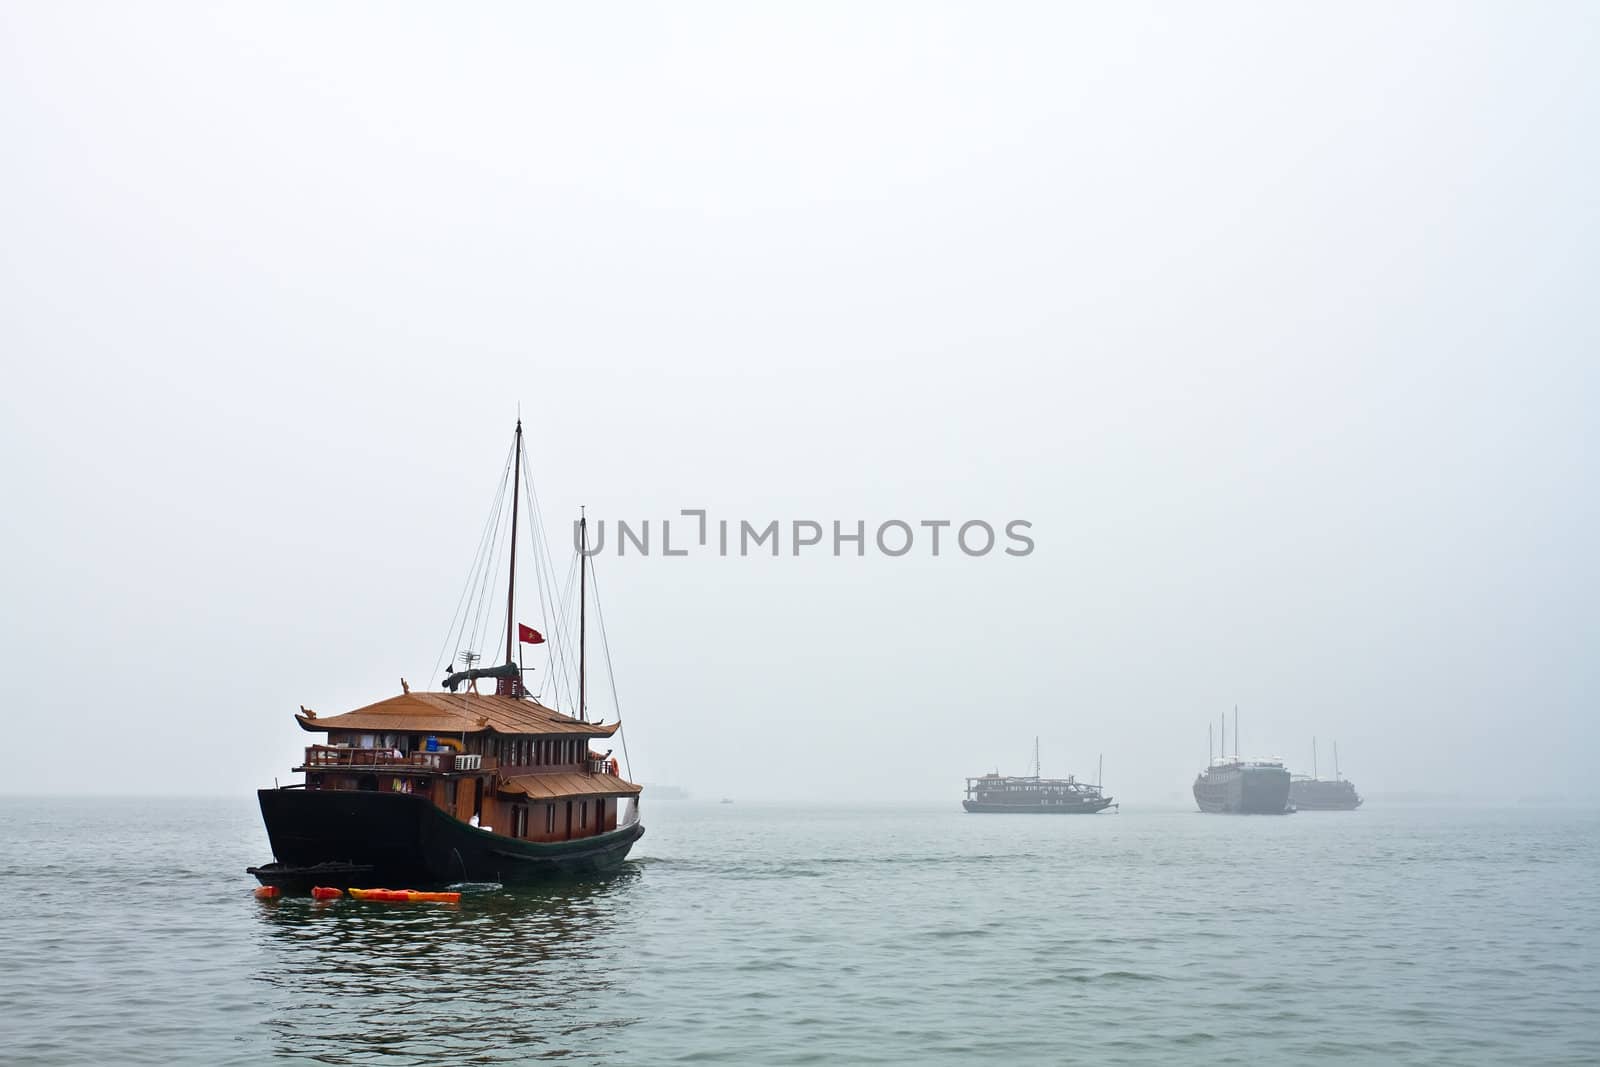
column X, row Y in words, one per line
column 583, row 596
column 1236, row 733
column 1036, row 755
column 1313, row 758
column 1209, row 760
column 511, row 585
column 1336, row 761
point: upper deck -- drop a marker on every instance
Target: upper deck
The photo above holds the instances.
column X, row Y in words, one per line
column 993, row 784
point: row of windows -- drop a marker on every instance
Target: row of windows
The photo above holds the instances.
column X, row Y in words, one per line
column 514, row 752
column 520, row 753
column 519, row 818
column 1028, row 789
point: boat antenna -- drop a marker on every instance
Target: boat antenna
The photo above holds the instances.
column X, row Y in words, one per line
column 511, row 584
column 1100, row 775
column 1036, row 755
column 1209, row 760
column 1222, row 739
column 1336, row 761
column 1236, row 733
column 1313, row 758
column 583, row 584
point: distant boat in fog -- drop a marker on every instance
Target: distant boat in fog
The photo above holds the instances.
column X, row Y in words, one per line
column 1323, row 794
column 1234, row 786
column 997, row 794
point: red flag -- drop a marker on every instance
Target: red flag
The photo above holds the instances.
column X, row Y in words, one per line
column 528, row 635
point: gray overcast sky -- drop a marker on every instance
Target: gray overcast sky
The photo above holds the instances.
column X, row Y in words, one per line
column 1277, row 321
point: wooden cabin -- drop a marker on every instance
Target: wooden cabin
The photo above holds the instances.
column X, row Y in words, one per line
column 502, row 763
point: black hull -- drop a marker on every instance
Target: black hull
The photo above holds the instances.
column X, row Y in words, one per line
column 978, row 807
column 343, row 838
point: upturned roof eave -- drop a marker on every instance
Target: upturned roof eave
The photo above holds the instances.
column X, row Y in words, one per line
column 446, row 722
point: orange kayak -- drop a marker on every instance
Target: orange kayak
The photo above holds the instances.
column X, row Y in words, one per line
column 405, row 896
column 322, row 892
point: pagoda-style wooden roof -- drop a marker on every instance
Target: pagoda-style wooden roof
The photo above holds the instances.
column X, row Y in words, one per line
column 559, row 786
column 454, row 713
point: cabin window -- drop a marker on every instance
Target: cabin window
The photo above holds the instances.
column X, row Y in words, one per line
column 519, row 821
column 450, row 795
column 549, row 818
column 583, row 815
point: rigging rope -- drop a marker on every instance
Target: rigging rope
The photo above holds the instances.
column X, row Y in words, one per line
column 560, row 665
column 489, row 570
column 472, row 572
column 616, row 702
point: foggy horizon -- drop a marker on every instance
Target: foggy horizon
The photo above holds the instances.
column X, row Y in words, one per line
column 1277, row 326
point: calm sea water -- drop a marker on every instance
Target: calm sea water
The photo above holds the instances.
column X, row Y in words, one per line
column 743, row 934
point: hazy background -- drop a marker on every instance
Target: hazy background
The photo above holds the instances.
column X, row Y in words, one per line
column 1277, row 321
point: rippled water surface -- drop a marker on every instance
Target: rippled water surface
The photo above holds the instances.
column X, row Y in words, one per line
column 742, row 934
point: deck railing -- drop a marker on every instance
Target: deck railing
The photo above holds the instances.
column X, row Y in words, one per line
column 443, row 760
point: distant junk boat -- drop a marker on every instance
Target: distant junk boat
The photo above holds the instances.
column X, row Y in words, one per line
column 1322, row 794
column 1241, row 787
column 997, row 794
column 430, row 788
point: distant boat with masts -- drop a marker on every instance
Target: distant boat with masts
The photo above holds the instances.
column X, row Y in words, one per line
column 1323, row 794
column 1234, row 786
column 997, row 794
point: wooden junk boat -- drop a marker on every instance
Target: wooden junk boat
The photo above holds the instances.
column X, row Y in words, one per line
column 1234, row 786
column 1002, row 794
column 432, row 788
column 1315, row 793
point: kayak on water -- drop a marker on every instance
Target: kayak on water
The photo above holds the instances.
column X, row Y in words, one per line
column 405, row 896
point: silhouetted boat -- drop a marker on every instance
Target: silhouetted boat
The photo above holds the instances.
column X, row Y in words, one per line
column 997, row 794
column 1241, row 787
column 1323, row 794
